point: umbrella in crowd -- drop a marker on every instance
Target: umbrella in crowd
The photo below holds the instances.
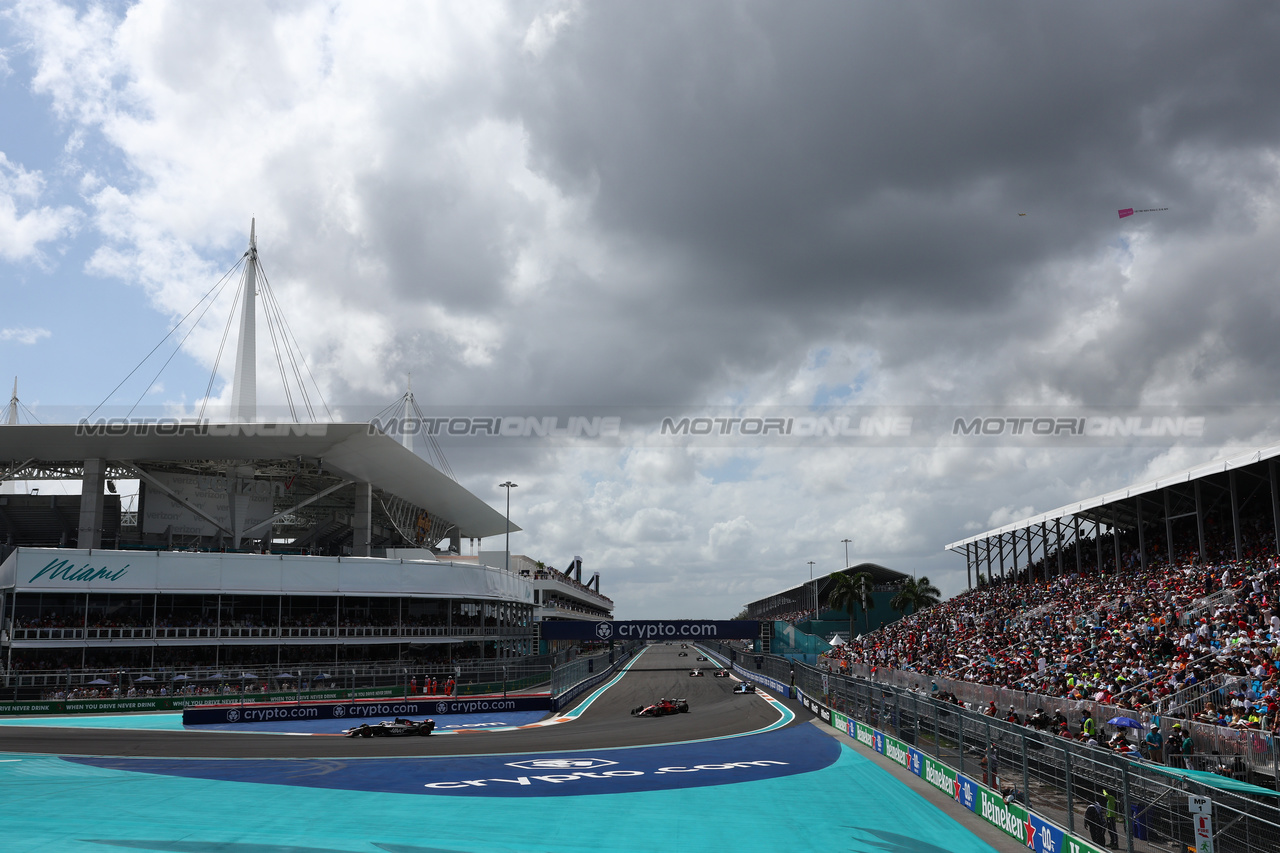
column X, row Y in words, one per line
column 248, row 676
column 182, row 678
column 99, row 682
column 1125, row 722
column 284, row 676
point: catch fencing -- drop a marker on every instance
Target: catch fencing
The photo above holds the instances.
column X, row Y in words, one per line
column 1057, row 777
column 1250, row 755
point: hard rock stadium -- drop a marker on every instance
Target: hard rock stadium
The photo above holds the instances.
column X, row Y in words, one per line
column 176, row 676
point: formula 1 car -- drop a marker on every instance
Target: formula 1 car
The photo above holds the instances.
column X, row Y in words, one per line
column 682, row 654
column 397, row 728
column 702, row 657
column 662, row 708
column 744, row 687
column 721, row 673
column 695, row 673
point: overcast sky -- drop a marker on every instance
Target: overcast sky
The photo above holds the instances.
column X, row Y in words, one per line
column 665, row 209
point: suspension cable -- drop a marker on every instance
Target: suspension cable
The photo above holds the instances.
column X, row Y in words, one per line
column 219, row 283
column 226, row 332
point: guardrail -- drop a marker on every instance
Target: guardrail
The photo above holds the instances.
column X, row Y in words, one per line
column 1047, row 777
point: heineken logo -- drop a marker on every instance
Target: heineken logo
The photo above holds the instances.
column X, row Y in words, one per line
column 995, row 812
column 897, row 753
column 69, row 571
column 938, row 779
column 865, row 737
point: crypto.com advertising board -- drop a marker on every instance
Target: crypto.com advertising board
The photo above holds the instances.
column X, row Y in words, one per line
column 684, row 629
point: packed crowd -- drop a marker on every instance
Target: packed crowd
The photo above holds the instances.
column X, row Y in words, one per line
column 1148, row 641
column 795, row 616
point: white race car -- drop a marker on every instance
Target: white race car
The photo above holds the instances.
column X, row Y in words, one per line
column 695, row 673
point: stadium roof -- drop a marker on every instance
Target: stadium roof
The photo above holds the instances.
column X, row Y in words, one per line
column 349, row 450
column 1082, row 507
column 879, row 576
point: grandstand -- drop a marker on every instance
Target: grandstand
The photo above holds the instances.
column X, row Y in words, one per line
column 804, row 622
column 1159, row 602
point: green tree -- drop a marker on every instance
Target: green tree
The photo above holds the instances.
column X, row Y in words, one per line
column 849, row 592
column 904, row 598
column 926, row 594
column 917, row 594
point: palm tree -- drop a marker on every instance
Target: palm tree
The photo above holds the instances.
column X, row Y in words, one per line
column 905, row 597
column 916, row 593
column 850, row 591
column 926, row 594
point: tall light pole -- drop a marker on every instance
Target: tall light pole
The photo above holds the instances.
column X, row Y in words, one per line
column 846, row 551
column 815, row 589
column 508, row 486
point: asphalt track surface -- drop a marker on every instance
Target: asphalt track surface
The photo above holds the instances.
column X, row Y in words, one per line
column 577, row 787
column 660, row 671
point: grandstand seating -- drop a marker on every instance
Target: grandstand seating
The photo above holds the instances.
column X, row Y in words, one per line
column 1189, row 640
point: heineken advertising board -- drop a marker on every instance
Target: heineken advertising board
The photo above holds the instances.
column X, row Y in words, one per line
column 1011, row 818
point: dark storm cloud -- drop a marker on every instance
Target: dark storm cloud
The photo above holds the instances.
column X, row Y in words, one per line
column 799, row 165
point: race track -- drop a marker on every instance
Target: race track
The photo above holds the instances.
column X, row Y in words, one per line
column 605, row 782
column 715, row 711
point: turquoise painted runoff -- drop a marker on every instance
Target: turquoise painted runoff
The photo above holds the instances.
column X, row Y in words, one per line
column 851, row 805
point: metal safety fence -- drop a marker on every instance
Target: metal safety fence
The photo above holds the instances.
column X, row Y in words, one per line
column 1250, row 755
column 1057, row 777
column 567, row 675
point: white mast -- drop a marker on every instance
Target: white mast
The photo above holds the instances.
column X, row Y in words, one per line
column 10, row 487
column 406, row 409
column 244, row 386
column 12, row 418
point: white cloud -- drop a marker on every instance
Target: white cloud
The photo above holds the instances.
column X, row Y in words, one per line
column 24, row 335
column 23, row 224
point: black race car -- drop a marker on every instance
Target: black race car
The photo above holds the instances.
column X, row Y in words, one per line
column 393, row 728
column 721, row 673
column 744, row 687
column 702, row 657
column 662, row 708
column 682, row 654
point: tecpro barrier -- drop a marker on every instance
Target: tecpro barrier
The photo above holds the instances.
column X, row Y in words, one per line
column 220, row 715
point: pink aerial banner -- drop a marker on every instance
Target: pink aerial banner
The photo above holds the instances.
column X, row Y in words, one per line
column 1128, row 211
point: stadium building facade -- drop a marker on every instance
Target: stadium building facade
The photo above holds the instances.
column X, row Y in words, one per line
column 256, row 545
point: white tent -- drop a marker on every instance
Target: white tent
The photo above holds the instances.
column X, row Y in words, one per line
column 837, row 640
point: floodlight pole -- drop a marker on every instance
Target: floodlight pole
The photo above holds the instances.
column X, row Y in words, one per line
column 815, row 589
column 846, row 551
column 508, row 486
